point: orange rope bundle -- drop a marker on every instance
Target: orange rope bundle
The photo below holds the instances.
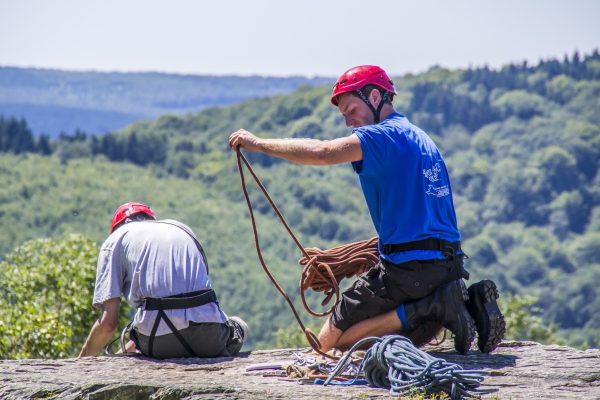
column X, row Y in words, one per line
column 324, row 269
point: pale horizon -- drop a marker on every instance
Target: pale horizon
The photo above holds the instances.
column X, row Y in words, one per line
column 289, row 38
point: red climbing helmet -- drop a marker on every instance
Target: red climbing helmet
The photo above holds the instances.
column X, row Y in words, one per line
column 356, row 78
column 127, row 210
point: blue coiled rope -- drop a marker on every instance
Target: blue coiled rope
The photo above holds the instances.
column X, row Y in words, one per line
column 394, row 362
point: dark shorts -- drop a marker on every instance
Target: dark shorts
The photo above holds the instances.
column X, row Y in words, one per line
column 207, row 339
column 387, row 285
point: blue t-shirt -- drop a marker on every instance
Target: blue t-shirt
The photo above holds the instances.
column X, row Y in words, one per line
column 406, row 186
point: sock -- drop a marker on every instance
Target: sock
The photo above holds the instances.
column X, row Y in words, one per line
column 401, row 314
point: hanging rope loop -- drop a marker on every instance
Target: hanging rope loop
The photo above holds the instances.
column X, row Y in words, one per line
column 313, row 341
column 310, row 336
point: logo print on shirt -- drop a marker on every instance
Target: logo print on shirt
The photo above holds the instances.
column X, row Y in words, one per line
column 438, row 191
column 433, row 175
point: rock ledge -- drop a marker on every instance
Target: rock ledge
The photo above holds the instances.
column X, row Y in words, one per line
column 518, row 370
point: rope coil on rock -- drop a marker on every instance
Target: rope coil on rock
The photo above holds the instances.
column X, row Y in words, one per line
column 394, row 362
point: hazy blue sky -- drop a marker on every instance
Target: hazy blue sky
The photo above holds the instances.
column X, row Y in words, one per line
column 307, row 37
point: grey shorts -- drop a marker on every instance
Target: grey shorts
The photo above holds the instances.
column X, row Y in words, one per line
column 385, row 286
column 207, row 339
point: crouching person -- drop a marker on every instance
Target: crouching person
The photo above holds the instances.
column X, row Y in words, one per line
column 160, row 269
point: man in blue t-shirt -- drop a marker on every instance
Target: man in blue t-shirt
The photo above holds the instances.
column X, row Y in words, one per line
column 417, row 286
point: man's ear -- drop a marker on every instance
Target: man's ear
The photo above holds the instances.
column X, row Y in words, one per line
column 375, row 98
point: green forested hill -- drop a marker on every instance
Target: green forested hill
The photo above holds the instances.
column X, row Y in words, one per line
column 522, row 145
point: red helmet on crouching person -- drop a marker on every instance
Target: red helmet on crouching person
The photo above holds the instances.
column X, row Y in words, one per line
column 356, row 78
column 127, row 210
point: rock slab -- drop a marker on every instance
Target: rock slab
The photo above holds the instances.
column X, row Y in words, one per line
column 518, row 370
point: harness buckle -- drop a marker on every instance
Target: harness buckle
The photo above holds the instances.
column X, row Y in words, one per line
column 449, row 252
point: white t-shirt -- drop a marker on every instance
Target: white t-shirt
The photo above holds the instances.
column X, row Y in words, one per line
column 154, row 259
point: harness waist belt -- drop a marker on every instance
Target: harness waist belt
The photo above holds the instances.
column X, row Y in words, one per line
column 180, row 301
column 449, row 248
column 177, row 302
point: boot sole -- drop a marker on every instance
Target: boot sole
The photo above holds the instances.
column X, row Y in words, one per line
column 464, row 345
column 490, row 322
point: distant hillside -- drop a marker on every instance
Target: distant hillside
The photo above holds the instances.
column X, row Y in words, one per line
column 54, row 101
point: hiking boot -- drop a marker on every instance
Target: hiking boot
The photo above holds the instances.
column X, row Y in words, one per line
column 241, row 327
column 490, row 323
column 238, row 334
column 424, row 333
column 447, row 306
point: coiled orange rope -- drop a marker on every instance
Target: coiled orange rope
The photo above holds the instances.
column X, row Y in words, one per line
column 343, row 261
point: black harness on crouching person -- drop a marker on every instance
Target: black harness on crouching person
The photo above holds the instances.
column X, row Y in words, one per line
column 178, row 302
column 451, row 250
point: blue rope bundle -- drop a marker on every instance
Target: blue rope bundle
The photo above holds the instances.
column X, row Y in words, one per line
column 394, row 362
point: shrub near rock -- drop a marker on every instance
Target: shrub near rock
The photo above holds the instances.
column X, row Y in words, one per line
column 46, row 289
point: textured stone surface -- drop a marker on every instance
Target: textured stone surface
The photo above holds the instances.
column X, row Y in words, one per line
column 519, row 370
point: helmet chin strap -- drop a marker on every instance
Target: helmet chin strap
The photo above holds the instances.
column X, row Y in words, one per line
column 376, row 111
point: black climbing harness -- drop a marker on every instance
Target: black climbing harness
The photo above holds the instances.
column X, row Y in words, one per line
column 178, row 302
column 448, row 248
column 451, row 250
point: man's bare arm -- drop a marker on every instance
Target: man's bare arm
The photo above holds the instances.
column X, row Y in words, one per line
column 302, row 151
column 104, row 328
